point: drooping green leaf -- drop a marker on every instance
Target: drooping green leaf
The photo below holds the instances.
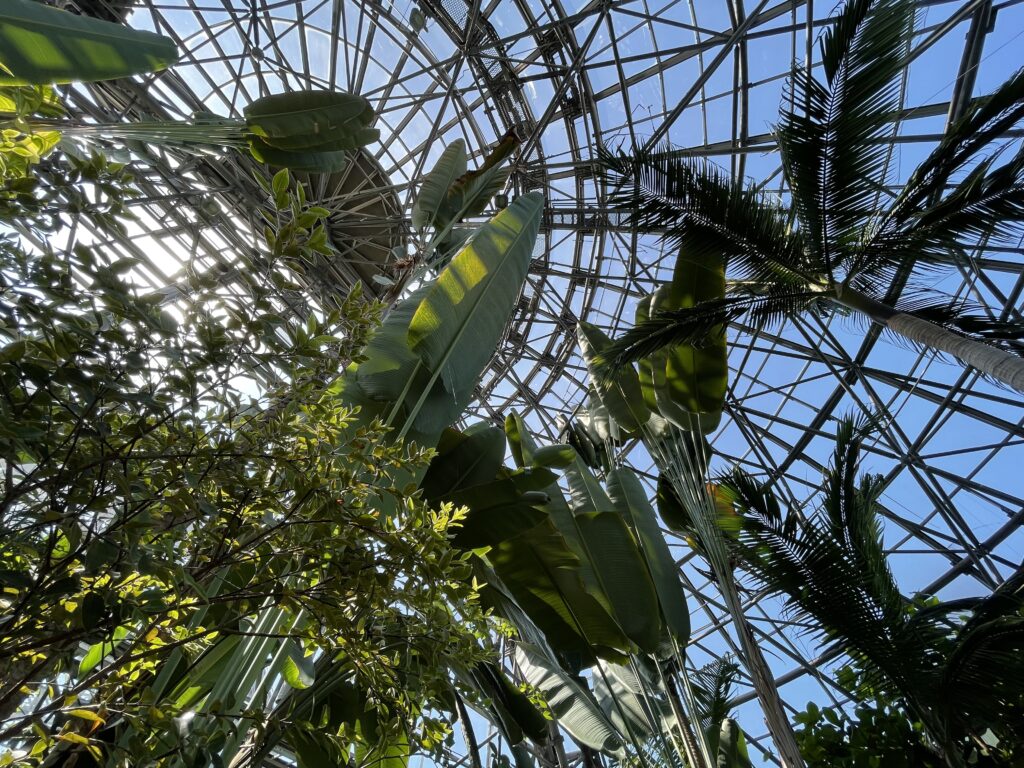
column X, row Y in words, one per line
column 449, row 167
column 630, row 499
column 297, row 668
column 570, row 702
column 632, row 705
column 469, row 194
column 392, row 374
column 673, row 512
column 621, row 393
column 457, row 326
column 514, row 708
column 336, row 141
column 520, row 442
column 585, row 491
column 40, row 45
column 463, row 459
column 307, row 114
column 559, row 456
column 310, row 161
column 732, row 747
column 623, row 575
column 542, row 573
column 696, row 378
column 645, row 367
column 494, row 525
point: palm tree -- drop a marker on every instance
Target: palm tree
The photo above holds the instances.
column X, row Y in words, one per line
column 836, row 245
column 959, row 677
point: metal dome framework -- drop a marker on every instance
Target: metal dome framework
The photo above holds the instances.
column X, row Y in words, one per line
column 706, row 75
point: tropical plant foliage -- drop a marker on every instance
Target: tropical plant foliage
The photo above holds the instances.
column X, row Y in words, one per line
column 840, row 242
column 878, row 731
column 20, row 146
column 166, row 583
column 955, row 666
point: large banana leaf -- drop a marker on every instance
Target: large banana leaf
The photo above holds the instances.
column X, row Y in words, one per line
column 585, row 491
column 696, row 377
column 612, row 554
column 450, row 166
column 495, row 525
column 515, row 712
column 622, row 573
column 732, row 747
column 309, row 114
column 667, row 407
column 571, row 704
column 392, row 374
column 42, row 45
column 470, row 192
column 623, row 698
column 620, row 393
column 463, row 459
column 308, row 160
column 390, row 364
column 630, row 499
column 458, row 325
column 542, row 573
column 340, row 139
column 520, row 442
column 561, row 515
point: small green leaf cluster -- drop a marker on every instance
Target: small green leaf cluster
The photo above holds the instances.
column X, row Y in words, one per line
column 21, row 147
column 173, row 474
column 878, row 733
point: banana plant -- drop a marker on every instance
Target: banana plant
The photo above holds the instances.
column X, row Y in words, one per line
column 313, row 131
column 447, row 195
column 587, row 579
column 41, row 45
column 682, row 389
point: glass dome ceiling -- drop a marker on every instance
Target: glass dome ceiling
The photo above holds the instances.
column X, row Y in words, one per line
column 706, row 75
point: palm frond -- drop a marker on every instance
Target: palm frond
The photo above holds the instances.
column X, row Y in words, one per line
column 851, row 505
column 831, row 137
column 830, row 568
column 985, row 670
column 694, row 325
column 673, row 195
column 712, row 686
column 986, row 120
column 986, row 203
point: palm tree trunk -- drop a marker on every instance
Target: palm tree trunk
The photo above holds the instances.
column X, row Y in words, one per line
column 999, row 365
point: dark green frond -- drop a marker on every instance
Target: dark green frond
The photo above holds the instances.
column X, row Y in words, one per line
column 832, row 135
column 667, row 193
column 851, row 507
column 694, row 325
column 985, row 670
column 831, row 568
column 987, row 120
column 712, row 688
